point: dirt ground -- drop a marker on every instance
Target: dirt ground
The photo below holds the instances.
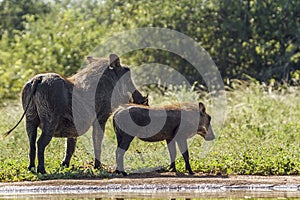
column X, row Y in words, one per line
column 168, row 179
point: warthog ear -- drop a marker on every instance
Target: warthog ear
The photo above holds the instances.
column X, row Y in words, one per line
column 201, row 107
column 114, row 60
column 91, row 59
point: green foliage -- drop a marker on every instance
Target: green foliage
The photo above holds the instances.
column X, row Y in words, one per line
column 13, row 11
column 47, row 45
column 259, row 38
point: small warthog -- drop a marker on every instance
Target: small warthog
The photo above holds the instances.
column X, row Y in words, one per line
column 174, row 123
column 67, row 107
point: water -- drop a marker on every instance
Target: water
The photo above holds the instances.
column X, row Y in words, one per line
column 117, row 191
column 155, row 195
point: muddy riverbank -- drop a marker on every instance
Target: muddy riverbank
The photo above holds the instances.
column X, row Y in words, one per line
column 157, row 184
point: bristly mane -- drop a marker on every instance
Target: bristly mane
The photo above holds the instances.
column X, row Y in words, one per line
column 89, row 75
column 186, row 106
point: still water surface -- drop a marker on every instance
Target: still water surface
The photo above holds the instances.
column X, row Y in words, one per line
column 227, row 194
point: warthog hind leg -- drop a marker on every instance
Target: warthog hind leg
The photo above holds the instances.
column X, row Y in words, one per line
column 70, row 149
column 31, row 128
column 48, row 129
column 182, row 144
column 172, row 153
column 42, row 143
column 124, row 141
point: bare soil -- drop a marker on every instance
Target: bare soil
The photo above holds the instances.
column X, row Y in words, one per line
column 168, row 179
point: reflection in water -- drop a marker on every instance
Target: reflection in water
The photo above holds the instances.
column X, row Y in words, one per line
column 265, row 195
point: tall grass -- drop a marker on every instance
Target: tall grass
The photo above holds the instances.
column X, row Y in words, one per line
column 260, row 135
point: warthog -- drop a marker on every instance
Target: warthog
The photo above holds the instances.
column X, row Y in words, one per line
column 67, row 107
column 174, row 123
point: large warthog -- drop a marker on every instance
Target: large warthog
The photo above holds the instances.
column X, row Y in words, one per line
column 174, row 123
column 67, row 107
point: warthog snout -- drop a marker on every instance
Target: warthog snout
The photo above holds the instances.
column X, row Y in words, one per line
column 210, row 134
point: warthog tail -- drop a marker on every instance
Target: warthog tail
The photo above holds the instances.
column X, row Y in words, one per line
column 33, row 89
column 13, row 128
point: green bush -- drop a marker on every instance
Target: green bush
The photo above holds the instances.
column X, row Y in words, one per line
column 259, row 38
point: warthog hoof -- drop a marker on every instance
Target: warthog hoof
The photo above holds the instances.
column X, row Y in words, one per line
column 65, row 164
column 41, row 170
column 97, row 164
column 31, row 168
column 121, row 172
column 172, row 168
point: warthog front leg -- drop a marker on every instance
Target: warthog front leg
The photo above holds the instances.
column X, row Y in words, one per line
column 182, row 144
column 124, row 141
column 98, row 133
column 70, row 149
column 172, row 153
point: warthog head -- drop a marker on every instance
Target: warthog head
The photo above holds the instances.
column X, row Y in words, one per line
column 126, row 82
column 117, row 79
column 204, row 126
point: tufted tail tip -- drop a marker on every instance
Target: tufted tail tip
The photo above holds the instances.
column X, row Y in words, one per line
column 4, row 136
